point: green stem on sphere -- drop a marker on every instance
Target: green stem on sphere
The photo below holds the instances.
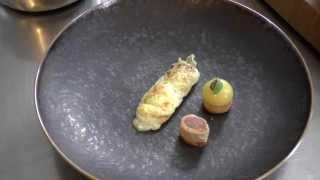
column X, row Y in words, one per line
column 216, row 86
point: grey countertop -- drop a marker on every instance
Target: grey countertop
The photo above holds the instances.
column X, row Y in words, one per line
column 25, row 152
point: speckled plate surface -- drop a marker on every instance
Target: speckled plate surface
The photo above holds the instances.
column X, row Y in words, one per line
column 95, row 73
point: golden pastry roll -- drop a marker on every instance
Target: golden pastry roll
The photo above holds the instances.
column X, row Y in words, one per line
column 161, row 100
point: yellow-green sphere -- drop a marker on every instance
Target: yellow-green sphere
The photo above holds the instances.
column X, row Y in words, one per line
column 217, row 95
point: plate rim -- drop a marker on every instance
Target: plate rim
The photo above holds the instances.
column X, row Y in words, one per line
column 107, row 4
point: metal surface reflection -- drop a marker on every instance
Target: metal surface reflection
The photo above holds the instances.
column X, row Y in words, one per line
column 36, row 5
column 41, row 39
column 29, row 35
column 32, row 4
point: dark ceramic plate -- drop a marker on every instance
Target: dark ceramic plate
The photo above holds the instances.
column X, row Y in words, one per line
column 95, row 73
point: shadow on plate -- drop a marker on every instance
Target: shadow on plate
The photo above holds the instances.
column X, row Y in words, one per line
column 66, row 171
column 185, row 157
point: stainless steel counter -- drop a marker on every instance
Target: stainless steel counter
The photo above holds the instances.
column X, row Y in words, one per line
column 25, row 152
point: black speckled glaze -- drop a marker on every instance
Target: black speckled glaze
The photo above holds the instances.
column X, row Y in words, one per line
column 96, row 72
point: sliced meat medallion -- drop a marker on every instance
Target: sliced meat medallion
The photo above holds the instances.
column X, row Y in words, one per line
column 194, row 130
